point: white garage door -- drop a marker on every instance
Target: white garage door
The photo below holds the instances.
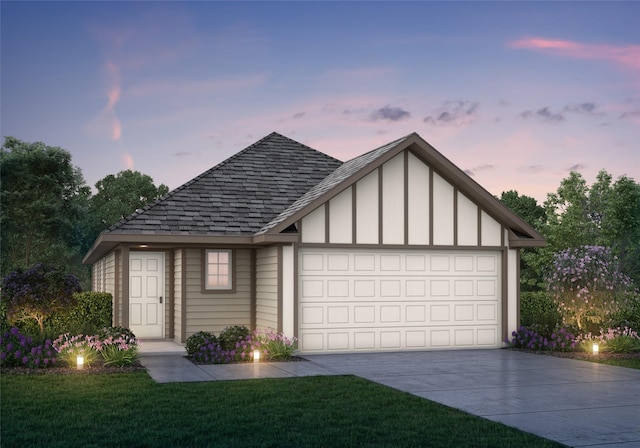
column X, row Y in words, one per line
column 364, row 300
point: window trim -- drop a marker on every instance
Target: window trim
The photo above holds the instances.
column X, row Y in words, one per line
column 231, row 287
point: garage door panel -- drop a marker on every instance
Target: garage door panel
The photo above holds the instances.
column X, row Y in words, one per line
column 394, row 300
column 383, row 313
column 398, row 338
column 359, row 263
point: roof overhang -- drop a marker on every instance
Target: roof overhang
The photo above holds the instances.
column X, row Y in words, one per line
column 107, row 242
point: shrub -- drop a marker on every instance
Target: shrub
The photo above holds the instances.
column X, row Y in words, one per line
column 615, row 340
column 538, row 311
column 38, row 292
column 230, row 336
column 276, row 346
column 197, row 340
column 206, row 348
column 92, row 311
column 119, row 349
column 70, row 347
column 17, row 349
column 587, row 286
column 561, row 340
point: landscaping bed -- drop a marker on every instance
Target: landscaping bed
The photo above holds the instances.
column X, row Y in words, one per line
column 96, row 369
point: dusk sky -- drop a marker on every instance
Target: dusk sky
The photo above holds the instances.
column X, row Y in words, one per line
column 517, row 94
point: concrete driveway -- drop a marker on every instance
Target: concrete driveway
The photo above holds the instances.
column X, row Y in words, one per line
column 577, row 403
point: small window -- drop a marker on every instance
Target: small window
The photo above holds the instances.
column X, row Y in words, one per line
column 218, row 269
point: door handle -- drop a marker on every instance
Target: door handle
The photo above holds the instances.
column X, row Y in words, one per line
column 160, row 299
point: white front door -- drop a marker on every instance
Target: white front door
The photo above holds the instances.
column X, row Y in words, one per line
column 146, row 294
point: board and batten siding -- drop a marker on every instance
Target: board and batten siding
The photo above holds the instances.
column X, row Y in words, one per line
column 267, row 288
column 214, row 311
column 402, row 202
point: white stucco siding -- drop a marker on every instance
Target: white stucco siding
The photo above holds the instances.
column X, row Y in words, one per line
column 467, row 231
column 443, row 225
column 313, row 226
column 418, row 201
column 367, row 209
column 393, row 201
column 491, row 230
column 341, row 218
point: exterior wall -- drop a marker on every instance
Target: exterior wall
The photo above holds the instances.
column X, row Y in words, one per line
column 178, row 298
column 403, row 202
column 103, row 274
column 267, row 288
column 215, row 310
column 288, row 291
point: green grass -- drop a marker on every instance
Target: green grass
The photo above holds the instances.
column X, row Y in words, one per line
column 129, row 409
column 632, row 363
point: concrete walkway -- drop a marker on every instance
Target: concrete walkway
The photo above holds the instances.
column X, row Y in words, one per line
column 578, row 403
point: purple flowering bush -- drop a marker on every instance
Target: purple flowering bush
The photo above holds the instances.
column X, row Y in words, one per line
column 561, row 340
column 18, row 350
column 236, row 344
column 37, row 292
column 588, row 287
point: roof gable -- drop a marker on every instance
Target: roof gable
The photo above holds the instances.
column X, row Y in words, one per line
column 239, row 195
column 521, row 233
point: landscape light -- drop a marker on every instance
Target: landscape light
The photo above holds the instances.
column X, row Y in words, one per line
column 256, row 356
column 596, row 348
column 80, row 362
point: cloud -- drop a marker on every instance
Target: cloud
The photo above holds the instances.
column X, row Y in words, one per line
column 127, row 161
column 626, row 56
column 473, row 171
column 390, row 114
column 454, row 113
column 107, row 121
column 577, row 166
column 182, row 154
column 532, row 169
column 582, row 108
column 544, row 114
column 299, row 114
column 632, row 114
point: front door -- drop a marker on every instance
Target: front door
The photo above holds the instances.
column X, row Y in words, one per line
column 146, row 289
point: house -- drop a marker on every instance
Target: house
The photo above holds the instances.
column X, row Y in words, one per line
column 397, row 249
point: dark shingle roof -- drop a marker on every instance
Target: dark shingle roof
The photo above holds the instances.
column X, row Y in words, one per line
column 237, row 197
column 344, row 172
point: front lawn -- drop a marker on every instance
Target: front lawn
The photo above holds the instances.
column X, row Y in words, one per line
column 129, row 409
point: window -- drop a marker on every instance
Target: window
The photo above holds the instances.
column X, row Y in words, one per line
column 217, row 265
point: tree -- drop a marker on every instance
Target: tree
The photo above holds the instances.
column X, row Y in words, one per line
column 621, row 226
column 588, row 287
column 570, row 215
column 525, row 207
column 120, row 195
column 38, row 292
column 532, row 264
column 43, row 197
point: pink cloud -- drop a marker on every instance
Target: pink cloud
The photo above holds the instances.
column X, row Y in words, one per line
column 627, row 56
column 127, row 161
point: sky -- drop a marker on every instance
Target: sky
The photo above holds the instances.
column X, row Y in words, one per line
column 517, row 94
